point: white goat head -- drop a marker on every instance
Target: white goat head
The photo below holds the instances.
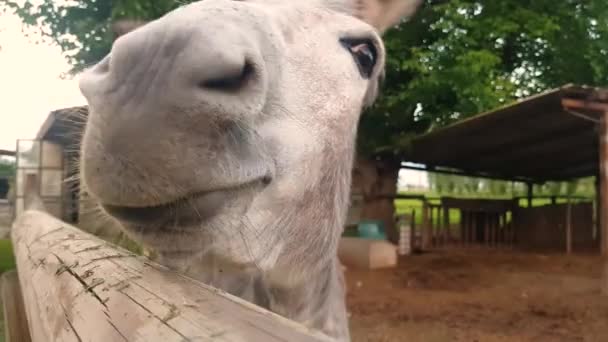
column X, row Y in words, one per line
column 222, row 136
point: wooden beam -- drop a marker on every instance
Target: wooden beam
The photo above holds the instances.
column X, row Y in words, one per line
column 569, row 227
column 77, row 287
column 535, row 151
column 425, row 227
column 530, row 188
column 603, row 187
column 522, row 112
column 567, row 159
column 541, row 130
column 15, row 320
column 466, row 173
column 585, row 105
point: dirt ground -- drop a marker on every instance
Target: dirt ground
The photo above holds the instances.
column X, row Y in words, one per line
column 480, row 296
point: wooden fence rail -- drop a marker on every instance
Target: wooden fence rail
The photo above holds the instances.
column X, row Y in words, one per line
column 480, row 223
column 77, row 287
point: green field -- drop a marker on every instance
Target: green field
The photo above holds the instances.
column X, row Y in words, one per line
column 406, row 206
column 7, row 262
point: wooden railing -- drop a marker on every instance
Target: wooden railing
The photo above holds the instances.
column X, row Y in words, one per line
column 484, row 223
column 77, row 287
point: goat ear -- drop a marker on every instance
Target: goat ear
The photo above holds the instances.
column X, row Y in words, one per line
column 381, row 14
column 124, row 26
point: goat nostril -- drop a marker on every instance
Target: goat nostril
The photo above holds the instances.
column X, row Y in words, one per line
column 230, row 82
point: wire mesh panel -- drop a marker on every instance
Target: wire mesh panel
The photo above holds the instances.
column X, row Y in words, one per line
column 44, row 161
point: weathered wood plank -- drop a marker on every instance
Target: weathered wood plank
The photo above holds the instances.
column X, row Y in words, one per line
column 15, row 320
column 77, row 287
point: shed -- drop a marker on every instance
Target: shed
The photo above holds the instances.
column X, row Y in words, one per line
column 53, row 155
column 558, row 135
column 552, row 136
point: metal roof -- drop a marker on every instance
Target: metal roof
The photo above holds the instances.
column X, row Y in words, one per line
column 64, row 126
column 549, row 136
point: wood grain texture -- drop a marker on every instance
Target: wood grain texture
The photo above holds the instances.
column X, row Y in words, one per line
column 77, row 287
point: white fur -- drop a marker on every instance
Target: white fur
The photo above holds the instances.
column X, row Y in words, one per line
column 155, row 135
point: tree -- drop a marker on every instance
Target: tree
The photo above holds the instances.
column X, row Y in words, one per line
column 7, row 167
column 453, row 59
column 82, row 28
column 462, row 57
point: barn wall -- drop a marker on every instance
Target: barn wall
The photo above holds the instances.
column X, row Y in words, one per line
column 544, row 228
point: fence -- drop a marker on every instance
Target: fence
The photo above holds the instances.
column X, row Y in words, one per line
column 452, row 222
column 77, row 287
column 43, row 163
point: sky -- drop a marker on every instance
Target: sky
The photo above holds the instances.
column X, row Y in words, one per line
column 30, row 83
column 31, row 86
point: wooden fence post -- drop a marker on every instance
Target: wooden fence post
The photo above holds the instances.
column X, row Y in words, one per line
column 569, row 226
column 447, row 236
column 426, row 226
column 77, row 287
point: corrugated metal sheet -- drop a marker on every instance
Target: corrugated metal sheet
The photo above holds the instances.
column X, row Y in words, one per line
column 536, row 139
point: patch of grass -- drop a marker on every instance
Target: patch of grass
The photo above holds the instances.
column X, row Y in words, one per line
column 7, row 262
column 406, row 206
column 7, row 259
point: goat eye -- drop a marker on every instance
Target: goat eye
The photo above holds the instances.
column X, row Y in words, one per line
column 364, row 53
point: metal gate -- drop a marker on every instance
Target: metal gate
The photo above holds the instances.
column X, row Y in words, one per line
column 40, row 162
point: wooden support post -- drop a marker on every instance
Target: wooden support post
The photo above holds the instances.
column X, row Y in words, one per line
column 461, row 226
column 512, row 230
column 603, row 185
column 468, row 228
column 493, row 230
column 433, row 226
column 439, row 226
column 497, row 218
column 15, row 319
column 447, row 236
column 472, row 228
column 569, row 227
column 504, row 229
column 413, row 233
column 509, row 230
column 77, row 287
column 498, row 229
column 530, row 188
column 486, row 229
column 496, row 226
column 426, row 227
